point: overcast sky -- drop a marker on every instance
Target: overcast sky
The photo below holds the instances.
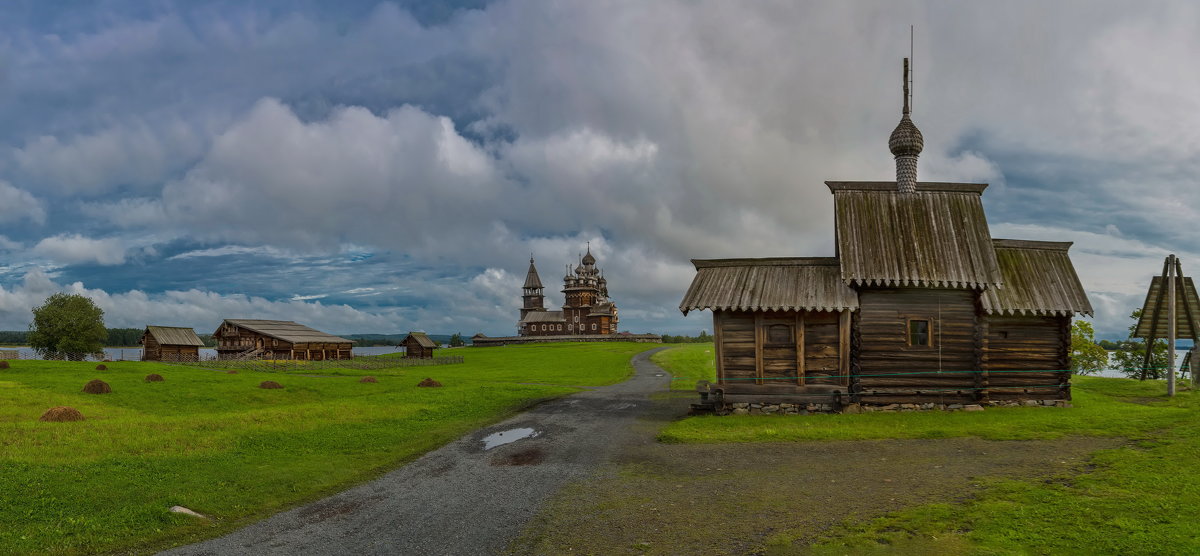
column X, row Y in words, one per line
column 384, row 167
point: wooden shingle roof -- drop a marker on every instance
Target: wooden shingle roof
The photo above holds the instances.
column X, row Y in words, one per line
column 1039, row 279
column 1185, row 298
column 775, row 284
column 937, row 236
column 288, row 331
column 174, row 335
column 421, row 338
column 544, row 316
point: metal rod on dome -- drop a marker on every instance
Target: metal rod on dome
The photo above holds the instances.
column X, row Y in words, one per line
column 909, row 78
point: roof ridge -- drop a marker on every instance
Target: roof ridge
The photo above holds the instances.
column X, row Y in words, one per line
column 766, row 261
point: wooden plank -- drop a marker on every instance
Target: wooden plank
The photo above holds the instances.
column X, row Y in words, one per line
column 718, row 326
column 844, row 347
column 800, row 348
column 758, row 348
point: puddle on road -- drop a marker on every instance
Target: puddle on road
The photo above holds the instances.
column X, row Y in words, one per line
column 507, row 437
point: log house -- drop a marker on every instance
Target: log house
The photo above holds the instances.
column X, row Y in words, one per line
column 919, row 305
column 277, row 339
column 170, row 343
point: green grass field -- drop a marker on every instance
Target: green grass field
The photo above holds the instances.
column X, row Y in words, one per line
column 687, row 364
column 1141, row 498
column 216, row 443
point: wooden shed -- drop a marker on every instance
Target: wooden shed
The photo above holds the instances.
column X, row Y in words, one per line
column 277, row 339
column 170, row 343
column 920, row 305
column 418, row 344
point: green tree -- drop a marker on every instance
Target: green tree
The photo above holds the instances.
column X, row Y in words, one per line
column 456, row 340
column 67, row 326
column 1086, row 356
column 1131, row 354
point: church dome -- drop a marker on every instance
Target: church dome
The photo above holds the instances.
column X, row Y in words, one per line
column 906, row 139
column 588, row 259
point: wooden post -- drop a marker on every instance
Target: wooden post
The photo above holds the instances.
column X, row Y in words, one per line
column 1154, row 323
column 844, row 347
column 1170, row 326
column 718, row 324
column 758, row 347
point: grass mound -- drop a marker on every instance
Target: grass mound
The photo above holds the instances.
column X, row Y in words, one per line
column 3, row 364
column 102, row 367
column 61, row 414
column 97, row 386
column 154, row 377
column 429, row 383
column 367, row 379
column 270, row 385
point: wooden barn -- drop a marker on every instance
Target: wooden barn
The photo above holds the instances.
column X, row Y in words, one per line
column 170, row 343
column 919, row 306
column 277, row 339
column 418, row 345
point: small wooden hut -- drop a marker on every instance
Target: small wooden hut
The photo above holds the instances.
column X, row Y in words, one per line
column 418, row 344
column 277, row 339
column 920, row 306
column 170, row 343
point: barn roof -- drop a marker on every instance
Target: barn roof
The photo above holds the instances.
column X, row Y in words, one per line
column 776, row 284
column 421, row 338
column 288, row 331
column 1039, row 279
column 1185, row 292
column 174, row 335
column 544, row 316
column 936, row 237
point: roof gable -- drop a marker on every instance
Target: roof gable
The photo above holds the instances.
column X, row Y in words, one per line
column 174, row 335
column 1039, row 279
column 421, row 339
column 937, row 236
column 774, row 284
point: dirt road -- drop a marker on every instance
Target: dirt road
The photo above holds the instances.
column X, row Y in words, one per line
column 474, row 495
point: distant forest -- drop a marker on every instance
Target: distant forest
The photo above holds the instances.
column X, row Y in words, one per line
column 127, row 337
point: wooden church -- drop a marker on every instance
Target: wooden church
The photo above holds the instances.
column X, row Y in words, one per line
column 919, row 306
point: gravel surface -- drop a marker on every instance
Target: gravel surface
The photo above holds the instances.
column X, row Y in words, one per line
column 461, row 498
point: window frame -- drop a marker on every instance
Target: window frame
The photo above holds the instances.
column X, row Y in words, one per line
column 929, row 331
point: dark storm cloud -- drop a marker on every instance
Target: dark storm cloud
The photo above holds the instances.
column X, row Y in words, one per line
column 270, row 140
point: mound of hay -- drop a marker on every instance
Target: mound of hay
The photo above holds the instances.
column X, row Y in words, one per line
column 231, row 372
column 102, row 367
column 97, row 387
column 154, row 377
column 270, row 385
column 367, row 379
column 3, row 364
column 429, row 383
column 61, row 414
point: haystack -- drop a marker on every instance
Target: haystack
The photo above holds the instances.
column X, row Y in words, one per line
column 61, row 414
column 154, row 377
column 231, row 372
column 367, row 379
column 97, row 387
column 102, row 367
column 429, row 383
column 3, row 364
column 270, row 385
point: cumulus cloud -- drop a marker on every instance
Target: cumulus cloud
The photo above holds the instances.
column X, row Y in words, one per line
column 200, row 309
column 18, row 204
column 74, row 248
column 705, row 130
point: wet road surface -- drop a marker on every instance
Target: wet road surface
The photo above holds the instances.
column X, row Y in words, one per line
column 471, row 496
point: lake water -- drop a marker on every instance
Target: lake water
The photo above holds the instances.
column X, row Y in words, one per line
column 135, row 354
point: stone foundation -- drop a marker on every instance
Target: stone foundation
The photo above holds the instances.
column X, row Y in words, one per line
column 807, row 408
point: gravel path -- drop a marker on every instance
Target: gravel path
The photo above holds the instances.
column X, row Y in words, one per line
column 463, row 498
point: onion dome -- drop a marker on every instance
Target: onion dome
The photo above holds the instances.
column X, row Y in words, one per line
column 588, row 259
column 906, row 139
